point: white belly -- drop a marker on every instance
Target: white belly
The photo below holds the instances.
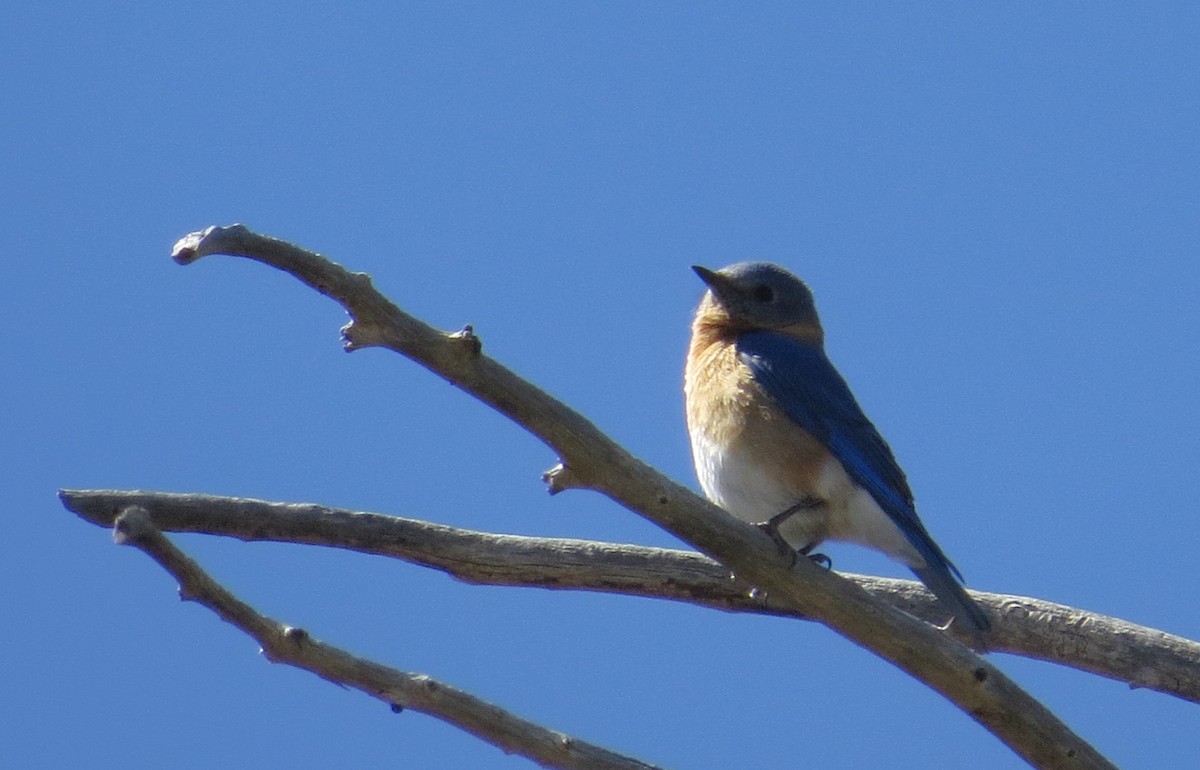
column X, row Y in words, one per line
column 849, row 513
column 742, row 488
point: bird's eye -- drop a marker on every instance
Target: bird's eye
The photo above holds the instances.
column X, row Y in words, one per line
column 764, row 293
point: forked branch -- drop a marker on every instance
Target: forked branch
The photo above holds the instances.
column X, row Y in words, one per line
column 1136, row 655
column 295, row 647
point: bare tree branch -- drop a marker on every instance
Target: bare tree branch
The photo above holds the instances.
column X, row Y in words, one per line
column 592, row 460
column 294, row 646
column 1139, row 656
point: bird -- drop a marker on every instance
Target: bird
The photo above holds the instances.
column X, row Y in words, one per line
column 779, row 440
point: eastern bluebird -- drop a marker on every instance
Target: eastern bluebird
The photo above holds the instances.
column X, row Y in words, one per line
column 778, row 439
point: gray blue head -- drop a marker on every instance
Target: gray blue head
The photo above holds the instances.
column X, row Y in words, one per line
column 760, row 295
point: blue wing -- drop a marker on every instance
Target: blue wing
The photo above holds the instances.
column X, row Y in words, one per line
column 803, row 382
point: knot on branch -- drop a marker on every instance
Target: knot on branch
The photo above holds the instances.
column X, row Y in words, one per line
column 467, row 340
column 211, row 240
column 294, row 634
column 357, row 335
column 560, row 478
column 132, row 525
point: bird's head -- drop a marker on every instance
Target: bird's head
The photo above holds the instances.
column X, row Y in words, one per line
column 758, row 295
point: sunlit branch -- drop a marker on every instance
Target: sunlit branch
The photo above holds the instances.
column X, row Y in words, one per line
column 401, row 690
column 1136, row 655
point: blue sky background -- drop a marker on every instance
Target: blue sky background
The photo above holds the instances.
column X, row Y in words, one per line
column 997, row 210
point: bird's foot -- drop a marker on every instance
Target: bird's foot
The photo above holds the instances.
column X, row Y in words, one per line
column 771, row 528
column 820, row 559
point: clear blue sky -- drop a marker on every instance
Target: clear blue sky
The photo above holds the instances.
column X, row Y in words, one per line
column 998, row 210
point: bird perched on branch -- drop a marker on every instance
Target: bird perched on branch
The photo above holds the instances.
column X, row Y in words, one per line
column 779, row 440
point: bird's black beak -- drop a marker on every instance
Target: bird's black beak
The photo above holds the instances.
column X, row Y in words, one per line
column 720, row 284
column 706, row 275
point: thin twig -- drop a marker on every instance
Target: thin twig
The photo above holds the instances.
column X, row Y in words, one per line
column 295, row 647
